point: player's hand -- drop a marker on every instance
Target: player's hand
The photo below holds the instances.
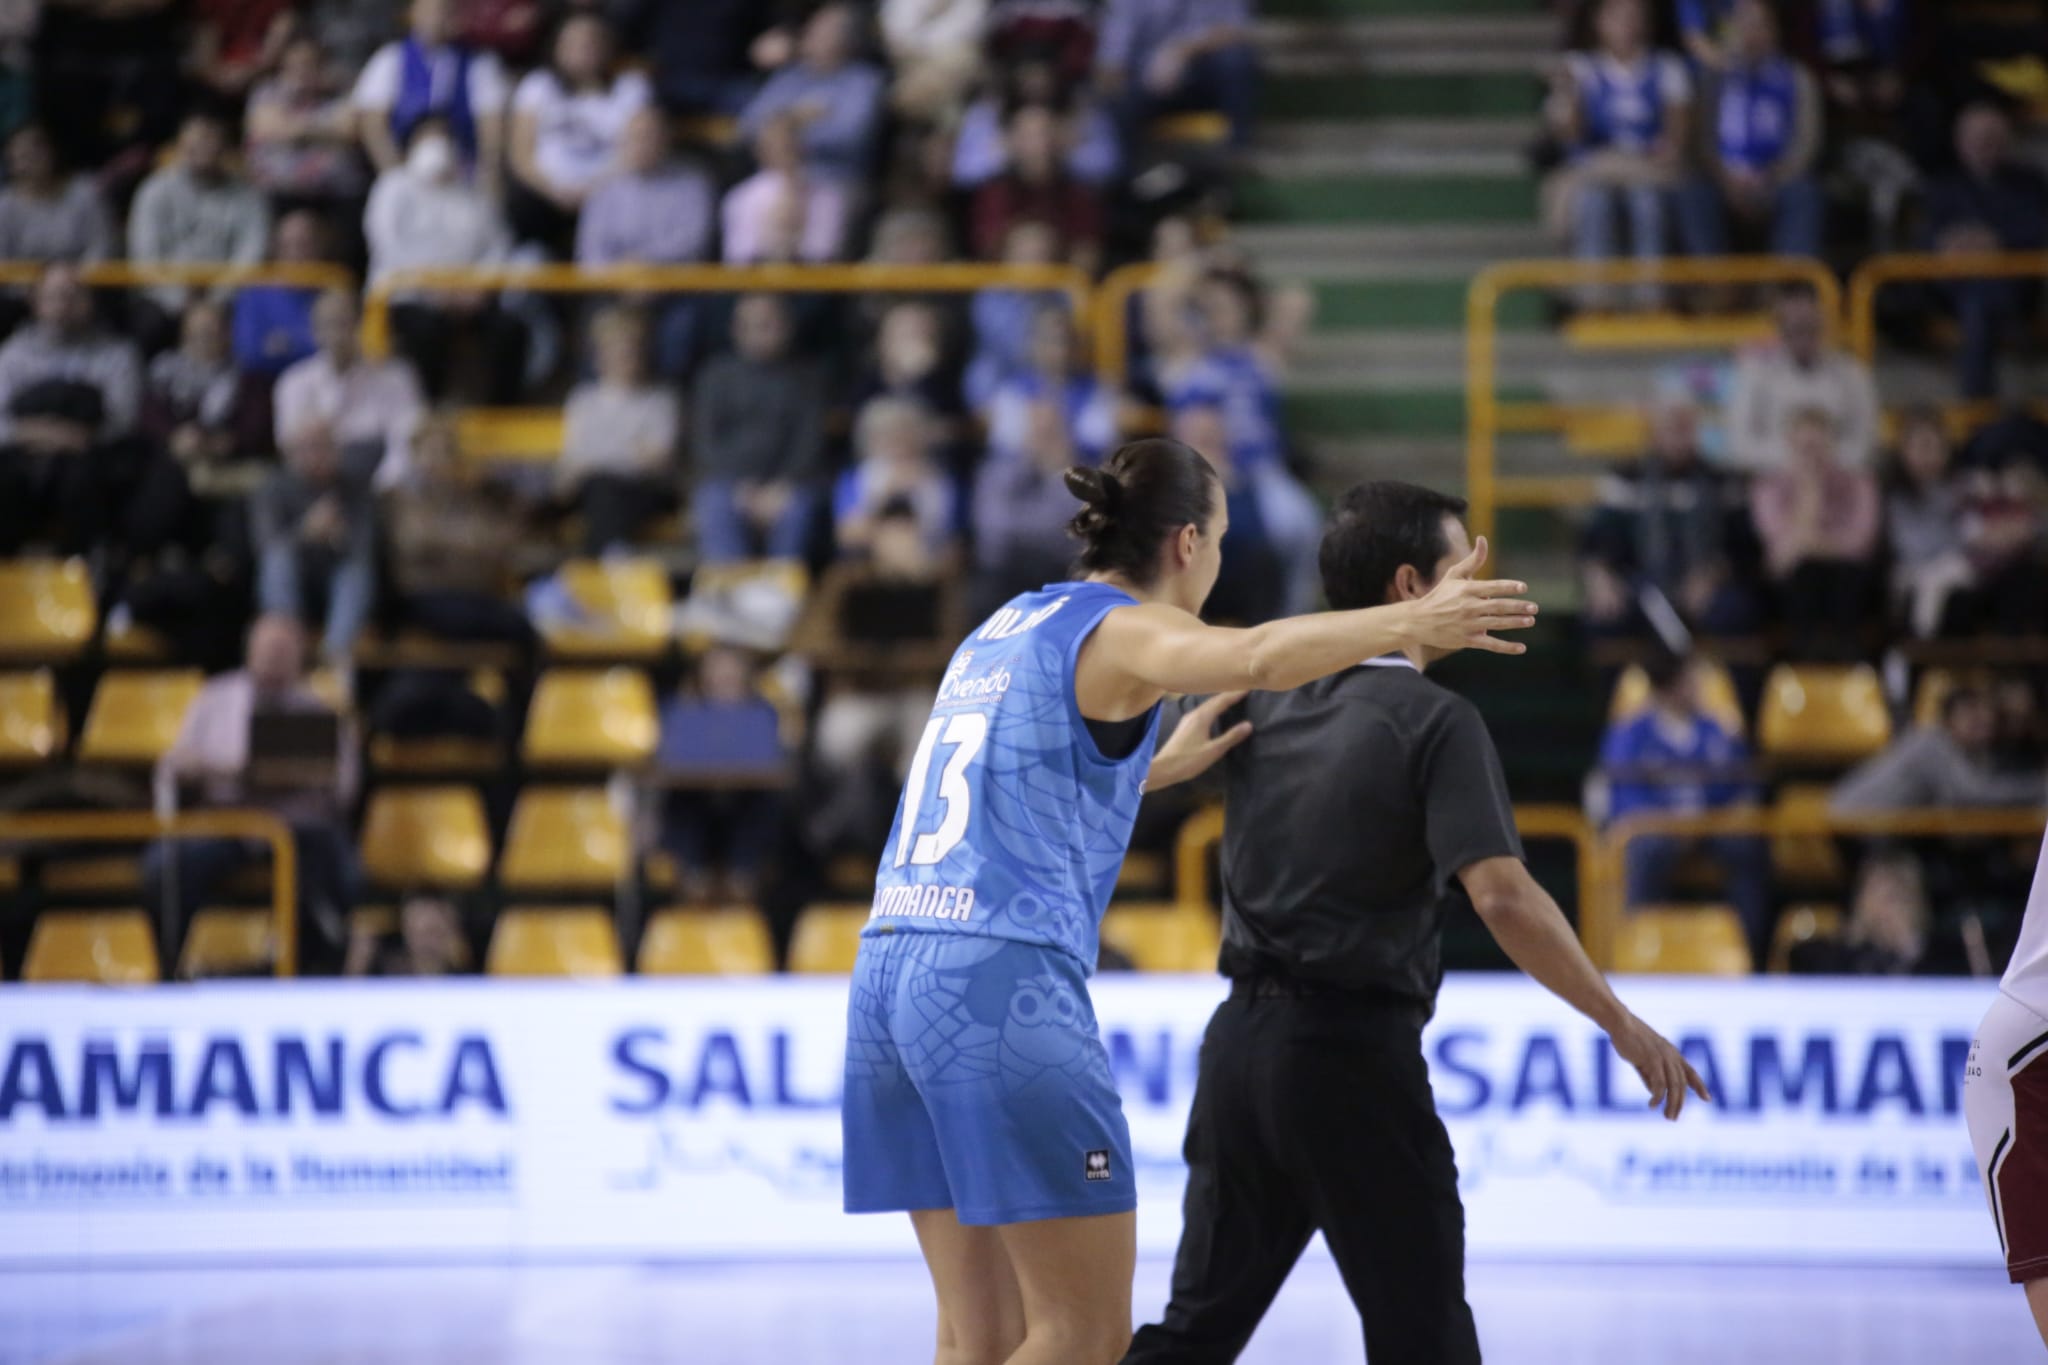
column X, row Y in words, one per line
column 1663, row 1068
column 1194, row 747
column 1462, row 611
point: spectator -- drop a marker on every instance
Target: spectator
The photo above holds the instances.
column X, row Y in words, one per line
column 1766, row 119
column 909, row 236
column 1001, row 318
column 195, row 211
column 1675, row 530
column 1674, row 758
column 512, row 29
column 1624, row 111
column 236, row 42
column 757, row 440
column 894, row 466
column 69, row 395
column 452, row 544
column 1040, row 423
column 707, row 54
column 1923, row 512
column 913, row 362
column 1037, row 187
column 212, row 751
column 1944, row 765
column 1159, row 56
column 429, row 942
column 274, row 322
column 782, row 212
column 1703, row 27
column 46, row 216
column 934, row 50
column 427, row 75
column 980, row 151
column 655, row 210
column 836, row 98
column 422, row 214
column 1252, row 586
column 621, row 437
column 1231, row 352
column 300, row 132
column 1801, row 371
column 1989, row 203
column 721, row 833
column 2003, row 531
column 371, row 407
column 1888, row 925
column 199, row 406
column 315, row 533
column 1819, row 521
column 350, row 32
column 568, row 123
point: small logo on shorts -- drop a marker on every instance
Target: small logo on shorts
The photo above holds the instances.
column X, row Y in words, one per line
column 1097, row 1165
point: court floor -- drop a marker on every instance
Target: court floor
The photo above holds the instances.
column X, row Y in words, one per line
column 760, row 1314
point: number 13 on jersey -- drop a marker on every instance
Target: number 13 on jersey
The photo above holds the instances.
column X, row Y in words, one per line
column 965, row 732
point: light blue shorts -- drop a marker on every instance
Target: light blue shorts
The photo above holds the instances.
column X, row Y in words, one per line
column 975, row 1081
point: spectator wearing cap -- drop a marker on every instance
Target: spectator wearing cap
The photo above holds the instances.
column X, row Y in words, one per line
column 428, row 75
column 836, row 98
column 195, row 211
column 300, row 132
column 1798, row 371
column 1158, row 56
column 621, row 437
column 371, row 407
column 757, row 440
column 45, row 215
column 569, row 119
column 1990, row 202
column 1764, row 110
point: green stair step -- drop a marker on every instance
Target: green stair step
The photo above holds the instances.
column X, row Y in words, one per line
column 1404, row 94
column 1336, row 414
column 1383, row 199
column 1349, row 305
column 1388, row 9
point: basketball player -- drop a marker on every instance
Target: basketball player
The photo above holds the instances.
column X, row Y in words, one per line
column 2005, row 1099
column 978, row 1094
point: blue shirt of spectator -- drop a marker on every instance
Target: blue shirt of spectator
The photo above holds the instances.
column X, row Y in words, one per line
column 434, row 83
column 1089, row 413
column 1697, row 758
column 1705, row 18
column 1133, row 30
column 840, row 98
column 979, row 154
column 1626, row 104
column 273, row 328
column 1759, row 114
column 1235, row 380
column 1855, row 31
column 1002, row 340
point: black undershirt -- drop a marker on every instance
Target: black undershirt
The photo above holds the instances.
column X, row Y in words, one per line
column 1119, row 739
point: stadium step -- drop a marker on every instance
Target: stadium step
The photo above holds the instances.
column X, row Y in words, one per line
column 1401, row 94
column 1390, row 198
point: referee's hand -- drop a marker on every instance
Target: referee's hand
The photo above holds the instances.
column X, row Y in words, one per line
column 1663, row 1068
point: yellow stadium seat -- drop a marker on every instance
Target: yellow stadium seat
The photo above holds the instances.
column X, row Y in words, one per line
column 629, row 604
column 1199, row 834
column 706, row 943
column 1664, row 331
column 1164, row 938
column 227, row 943
column 1823, row 714
column 31, row 719
column 1202, row 127
column 426, row 837
column 711, row 130
column 1605, row 433
column 101, row 876
column 555, row 941
column 826, row 939
column 332, row 686
column 133, row 644
column 1809, row 860
column 107, row 947
column 493, row 435
column 589, row 717
column 1716, row 690
column 564, row 838
column 435, row 754
column 135, row 715
column 1700, row 940
column 1802, row 924
column 46, row 608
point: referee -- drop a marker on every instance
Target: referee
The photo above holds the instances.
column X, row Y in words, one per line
column 1352, row 807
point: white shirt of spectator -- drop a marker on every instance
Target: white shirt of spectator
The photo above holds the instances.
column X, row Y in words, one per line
column 2026, row 977
column 377, row 87
column 1769, row 388
column 375, row 400
column 576, row 136
column 416, row 222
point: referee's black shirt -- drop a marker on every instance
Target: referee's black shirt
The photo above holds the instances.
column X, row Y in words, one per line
column 1355, row 801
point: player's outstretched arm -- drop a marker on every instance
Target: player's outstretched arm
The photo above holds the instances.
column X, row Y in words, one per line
column 1533, row 932
column 1165, row 649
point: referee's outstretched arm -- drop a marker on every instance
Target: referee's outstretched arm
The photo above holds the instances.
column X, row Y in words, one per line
column 1527, row 924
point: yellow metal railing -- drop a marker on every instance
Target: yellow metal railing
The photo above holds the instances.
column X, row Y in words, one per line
column 133, row 826
column 1112, row 320
column 132, row 274
column 1880, row 272
column 1486, row 417
column 719, row 279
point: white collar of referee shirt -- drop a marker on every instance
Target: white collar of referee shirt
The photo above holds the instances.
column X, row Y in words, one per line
column 1391, row 661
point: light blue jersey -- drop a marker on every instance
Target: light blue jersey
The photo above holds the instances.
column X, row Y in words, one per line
column 1012, row 823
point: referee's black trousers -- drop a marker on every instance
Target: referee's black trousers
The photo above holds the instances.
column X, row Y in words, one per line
column 1313, row 1111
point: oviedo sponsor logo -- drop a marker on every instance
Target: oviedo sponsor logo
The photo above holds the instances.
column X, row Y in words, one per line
column 400, row 1075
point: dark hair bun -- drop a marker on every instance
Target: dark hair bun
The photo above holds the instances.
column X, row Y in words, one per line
column 1099, row 492
column 1143, row 494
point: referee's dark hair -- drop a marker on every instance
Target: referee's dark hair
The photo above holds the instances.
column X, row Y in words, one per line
column 1379, row 526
